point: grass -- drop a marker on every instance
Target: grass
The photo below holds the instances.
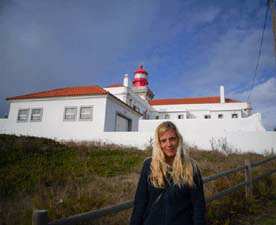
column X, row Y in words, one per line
column 261, row 211
column 71, row 178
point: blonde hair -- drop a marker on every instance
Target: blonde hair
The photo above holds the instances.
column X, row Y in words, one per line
column 183, row 167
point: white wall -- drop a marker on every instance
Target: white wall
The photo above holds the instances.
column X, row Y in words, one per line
column 113, row 106
column 213, row 106
column 226, row 114
column 3, row 124
column 240, row 141
column 252, row 123
column 199, row 110
column 139, row 140
column 243, row 141
column 243, row 134
column 126, row 94
column 53, row 124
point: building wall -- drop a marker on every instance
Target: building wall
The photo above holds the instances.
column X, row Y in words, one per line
column 238, row 141
column 252, row 123
column 208, row 136
column 128, row 96
column 53, row 123
column 114, row 107
column 242, row 134
column 198, row 111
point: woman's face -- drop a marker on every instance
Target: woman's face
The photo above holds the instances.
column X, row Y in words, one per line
column 169, row 143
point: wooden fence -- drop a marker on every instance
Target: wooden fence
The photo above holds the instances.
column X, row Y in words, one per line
column 40, row 217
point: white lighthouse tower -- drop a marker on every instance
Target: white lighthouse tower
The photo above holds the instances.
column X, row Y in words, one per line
column 140, row 84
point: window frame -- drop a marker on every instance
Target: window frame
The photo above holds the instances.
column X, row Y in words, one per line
column 40, row 115
column 81, row 113
column 75, row 113
column 27, row 115
column 235, row 115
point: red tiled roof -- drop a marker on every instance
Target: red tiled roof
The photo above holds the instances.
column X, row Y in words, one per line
column 200, row 100
column 62, row 92
column 115, row 85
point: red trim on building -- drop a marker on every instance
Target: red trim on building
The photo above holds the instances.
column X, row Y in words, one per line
column 141, row 71
column 140, row 82
column 115, row 85
column 200, row 100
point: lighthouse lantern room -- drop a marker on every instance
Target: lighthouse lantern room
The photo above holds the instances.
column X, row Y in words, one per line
column 140, row 84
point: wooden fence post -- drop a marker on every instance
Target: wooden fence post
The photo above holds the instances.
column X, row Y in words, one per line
column 40, row 217
column 248, row 179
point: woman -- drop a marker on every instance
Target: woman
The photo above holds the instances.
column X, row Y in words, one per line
column 170, row 189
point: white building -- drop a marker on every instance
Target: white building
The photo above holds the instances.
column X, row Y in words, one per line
column 95, row 113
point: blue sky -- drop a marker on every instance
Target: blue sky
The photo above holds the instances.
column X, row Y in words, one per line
column 189, row 48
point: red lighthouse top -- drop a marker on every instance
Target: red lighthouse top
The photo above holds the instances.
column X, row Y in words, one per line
column 141, row 71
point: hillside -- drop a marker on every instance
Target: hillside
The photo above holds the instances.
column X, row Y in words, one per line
column 70, row 178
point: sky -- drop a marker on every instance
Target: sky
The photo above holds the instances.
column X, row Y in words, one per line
column 189, row 48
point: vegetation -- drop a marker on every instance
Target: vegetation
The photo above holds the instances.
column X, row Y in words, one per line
column 70, row 178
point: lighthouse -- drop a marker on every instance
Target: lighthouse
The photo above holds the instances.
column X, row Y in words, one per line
column 140, row 84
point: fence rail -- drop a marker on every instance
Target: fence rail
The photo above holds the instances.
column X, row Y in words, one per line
column 40, row 217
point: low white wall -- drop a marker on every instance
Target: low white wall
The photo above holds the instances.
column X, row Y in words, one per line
column 139, row 140
column 66, row 132
column 3, row 124
column 243, row 141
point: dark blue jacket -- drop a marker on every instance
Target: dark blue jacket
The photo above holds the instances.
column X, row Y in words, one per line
column 185, row 205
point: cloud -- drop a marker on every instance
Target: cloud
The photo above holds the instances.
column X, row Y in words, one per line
column 226, row 58
column 263, row 99
column 28, row 52
column 31, row 39
column 48, row 45
column 203, row 14
column 191, row 19
column 232, row 59
column 191, row 46
column 265, row 91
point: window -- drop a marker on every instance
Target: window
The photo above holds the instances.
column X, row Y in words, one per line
column 234, row 115
column 181, row 116
column 86, row 113
column 207, row 116
column 157, row 117
column 167, row 116
column 23, row 115
column 36, row 115
column 70, row 113
column 220, row 116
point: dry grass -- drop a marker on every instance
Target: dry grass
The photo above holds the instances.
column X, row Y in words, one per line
column 85, row 188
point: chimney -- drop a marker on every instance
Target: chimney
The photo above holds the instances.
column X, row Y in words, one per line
column 222, row 99
column 126, row 81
